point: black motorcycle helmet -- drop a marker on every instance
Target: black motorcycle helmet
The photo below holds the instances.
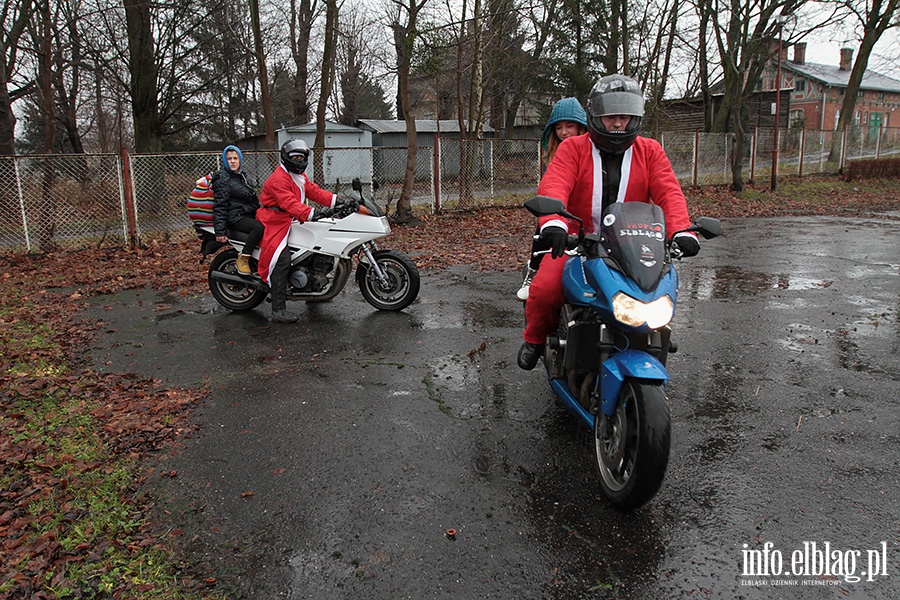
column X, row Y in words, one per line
column 615, row 95
column 295, row 156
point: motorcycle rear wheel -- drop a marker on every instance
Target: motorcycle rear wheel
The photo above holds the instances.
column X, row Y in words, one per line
column 632, row 446
column 232, row 296
column 402, row 281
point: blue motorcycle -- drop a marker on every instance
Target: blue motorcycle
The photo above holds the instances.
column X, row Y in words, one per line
column 606, row 361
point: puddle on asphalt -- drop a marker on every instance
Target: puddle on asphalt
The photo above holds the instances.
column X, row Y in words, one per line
column 459, row 388
column 443, row 315
column 803, row 338
column 733, row 282
column 453, row 374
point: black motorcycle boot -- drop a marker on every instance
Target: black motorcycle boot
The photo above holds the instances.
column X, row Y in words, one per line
column 281, row 315
column 529, row 354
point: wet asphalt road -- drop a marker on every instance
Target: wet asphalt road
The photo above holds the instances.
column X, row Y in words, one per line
column 365, row 436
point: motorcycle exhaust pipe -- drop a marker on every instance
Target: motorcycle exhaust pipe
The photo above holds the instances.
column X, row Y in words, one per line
column 254, row 283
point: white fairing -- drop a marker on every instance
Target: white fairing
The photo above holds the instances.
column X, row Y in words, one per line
column 336, row 237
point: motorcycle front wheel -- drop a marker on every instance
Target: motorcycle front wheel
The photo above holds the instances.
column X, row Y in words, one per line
column 401, row 284
column 232, row 295
column 632, row 445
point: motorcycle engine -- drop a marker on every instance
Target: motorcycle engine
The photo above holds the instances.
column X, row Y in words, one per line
column 299, row 279
column 312, row 275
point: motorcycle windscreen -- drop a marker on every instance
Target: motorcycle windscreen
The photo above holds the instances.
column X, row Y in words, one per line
column 635, row 234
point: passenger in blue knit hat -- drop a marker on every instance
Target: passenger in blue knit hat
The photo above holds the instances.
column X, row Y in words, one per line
column 567, row 119
column 236, row 204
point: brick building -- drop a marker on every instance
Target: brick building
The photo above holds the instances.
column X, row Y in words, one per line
column 818, row 92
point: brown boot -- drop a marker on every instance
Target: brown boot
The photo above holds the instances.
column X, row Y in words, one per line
column 243, row 264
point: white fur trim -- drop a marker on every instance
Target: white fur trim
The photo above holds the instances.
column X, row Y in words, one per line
column 597, row 191
column 555, row 223
column 281, row 246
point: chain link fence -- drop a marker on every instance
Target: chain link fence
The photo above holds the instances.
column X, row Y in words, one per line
column 53, row 201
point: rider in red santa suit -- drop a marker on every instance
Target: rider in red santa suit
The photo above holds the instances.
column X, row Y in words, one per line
column 610, row 163
column 284, row 198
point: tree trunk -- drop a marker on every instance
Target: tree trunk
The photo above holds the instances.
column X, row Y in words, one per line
column 301, row 26
column 328, row 60
column 263, row 74
column 404, row 204
column 46, row 224
column 737, row 159
column 7, row 117
column 10, row 39
column 68, row 99
column 144, row 76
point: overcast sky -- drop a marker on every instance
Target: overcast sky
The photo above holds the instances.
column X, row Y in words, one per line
column 825, row 47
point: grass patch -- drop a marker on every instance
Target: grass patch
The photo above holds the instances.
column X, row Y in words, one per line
column 71, row 516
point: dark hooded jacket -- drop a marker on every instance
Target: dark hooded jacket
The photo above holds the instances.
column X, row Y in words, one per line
column 234, row 193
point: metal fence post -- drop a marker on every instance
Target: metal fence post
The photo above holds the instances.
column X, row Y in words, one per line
column 695, row 169
column 129, row 200
column 493, row 146
column 15, row 160
column 843, row 148
column 753, row 141
column 878, row 142
column 436, row 175
column 802, row 143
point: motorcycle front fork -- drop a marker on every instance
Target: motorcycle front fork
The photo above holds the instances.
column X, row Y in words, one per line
column 373, row 264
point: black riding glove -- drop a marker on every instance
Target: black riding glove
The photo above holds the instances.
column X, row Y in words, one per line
column 321, row 213
column 688, row 245
column 555, row 238
column 347, row 205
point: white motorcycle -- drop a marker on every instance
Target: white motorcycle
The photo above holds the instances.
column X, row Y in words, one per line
column 321, row 261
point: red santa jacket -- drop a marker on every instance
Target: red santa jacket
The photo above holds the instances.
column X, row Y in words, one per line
column 284, row 198
column 647, row 176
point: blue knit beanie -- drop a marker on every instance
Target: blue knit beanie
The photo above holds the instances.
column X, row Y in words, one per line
column 567, row 109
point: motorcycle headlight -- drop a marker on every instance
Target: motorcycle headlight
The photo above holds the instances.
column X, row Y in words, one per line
column 635, row 313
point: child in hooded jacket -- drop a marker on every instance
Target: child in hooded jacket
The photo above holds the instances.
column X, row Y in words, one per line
column 567, row 119
column 236, row 205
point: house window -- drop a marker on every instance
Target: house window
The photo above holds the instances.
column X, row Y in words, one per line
column 800, row 85
column 881, row 95
column 861, row 94
column 857, row 117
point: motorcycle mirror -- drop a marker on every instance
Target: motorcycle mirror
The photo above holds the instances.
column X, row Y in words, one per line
column 357, row 184
column 708, row 227
column 542, row 206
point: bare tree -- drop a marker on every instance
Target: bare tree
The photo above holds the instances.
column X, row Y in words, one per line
column 360, row 94
column 13, row 17
column 872, row 19
column 404, row 24
column 263, row 73
column 67, row 75
column 745, row 35
column 328, row 65
column 301, row 22
column 42, row 35
column 144, row 76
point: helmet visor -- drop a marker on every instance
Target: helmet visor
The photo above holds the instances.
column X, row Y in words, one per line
column 617, row 103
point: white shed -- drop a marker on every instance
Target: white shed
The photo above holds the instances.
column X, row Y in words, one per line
column 348, row 150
